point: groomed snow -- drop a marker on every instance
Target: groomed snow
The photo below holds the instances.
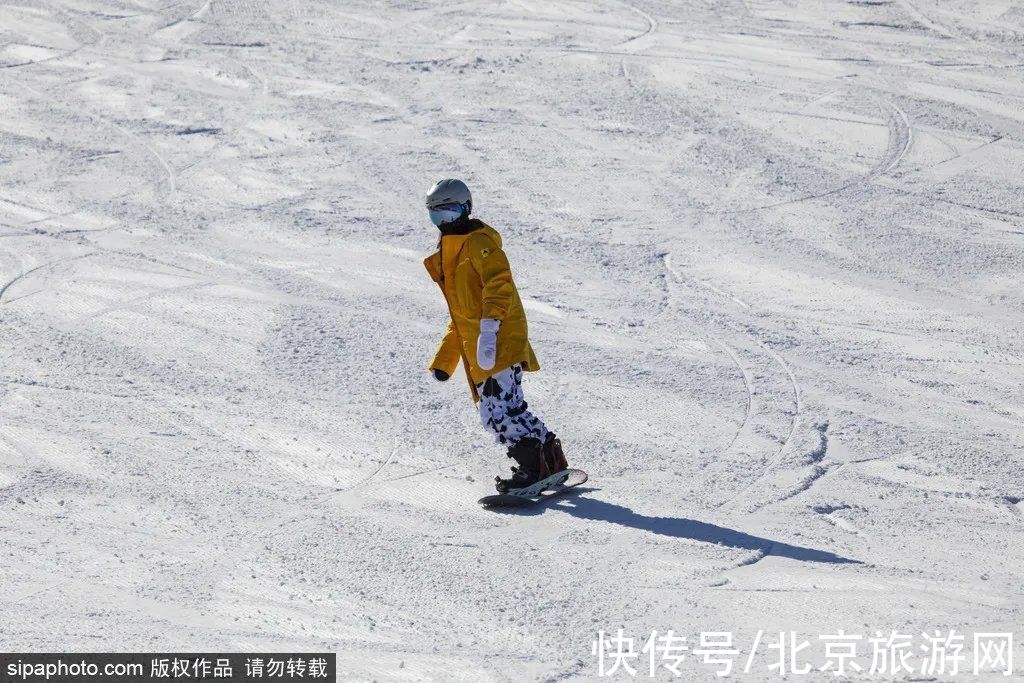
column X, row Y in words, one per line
column 773, row 258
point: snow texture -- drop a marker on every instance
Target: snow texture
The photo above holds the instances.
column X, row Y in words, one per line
column 772, row 255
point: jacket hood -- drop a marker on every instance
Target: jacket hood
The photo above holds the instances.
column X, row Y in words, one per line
column 478, row 225
column 468, row 226
column 491, row 232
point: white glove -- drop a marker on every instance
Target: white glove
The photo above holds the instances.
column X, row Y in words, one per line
column 487, row 343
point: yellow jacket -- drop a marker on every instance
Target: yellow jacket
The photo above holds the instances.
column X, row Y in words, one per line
column 476, row 281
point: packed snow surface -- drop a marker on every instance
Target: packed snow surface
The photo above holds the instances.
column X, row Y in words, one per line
column 773, row 258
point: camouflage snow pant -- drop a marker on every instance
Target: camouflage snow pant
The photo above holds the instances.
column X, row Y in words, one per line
column 503, row 409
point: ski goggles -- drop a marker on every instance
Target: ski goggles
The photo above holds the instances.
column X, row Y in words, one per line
column 445, row 213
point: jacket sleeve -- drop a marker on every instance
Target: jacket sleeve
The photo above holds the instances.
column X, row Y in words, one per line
column 447, row 356
column 496, row 277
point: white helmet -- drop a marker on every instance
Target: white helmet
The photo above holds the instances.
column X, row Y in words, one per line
column 448, row 201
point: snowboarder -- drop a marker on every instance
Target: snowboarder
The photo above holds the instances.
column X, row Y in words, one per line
column 488, row 331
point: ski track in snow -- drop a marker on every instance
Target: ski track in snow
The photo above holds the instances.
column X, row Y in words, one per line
column 652, row 26
column 771, row 254
column 897, row 146
column 62, row 54
column 745, row 376
column 45, row 266
column 770, row 462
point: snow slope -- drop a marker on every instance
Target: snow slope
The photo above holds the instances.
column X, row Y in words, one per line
column 772, row 255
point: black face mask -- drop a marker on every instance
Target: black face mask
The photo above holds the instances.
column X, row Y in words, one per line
column 461, row 226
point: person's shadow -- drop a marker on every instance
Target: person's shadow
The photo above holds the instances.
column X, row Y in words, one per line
column 680, row 527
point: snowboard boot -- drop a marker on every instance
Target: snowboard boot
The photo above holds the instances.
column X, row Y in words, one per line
column 529, row 454
column 553, row 455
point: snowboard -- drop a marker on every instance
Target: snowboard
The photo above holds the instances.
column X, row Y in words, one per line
column 557, row 483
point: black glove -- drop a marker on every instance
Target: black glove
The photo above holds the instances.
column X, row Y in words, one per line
column 440, row 375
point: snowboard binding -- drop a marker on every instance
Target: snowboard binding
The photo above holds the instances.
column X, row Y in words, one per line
column 532, row 466
column 537, row 465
